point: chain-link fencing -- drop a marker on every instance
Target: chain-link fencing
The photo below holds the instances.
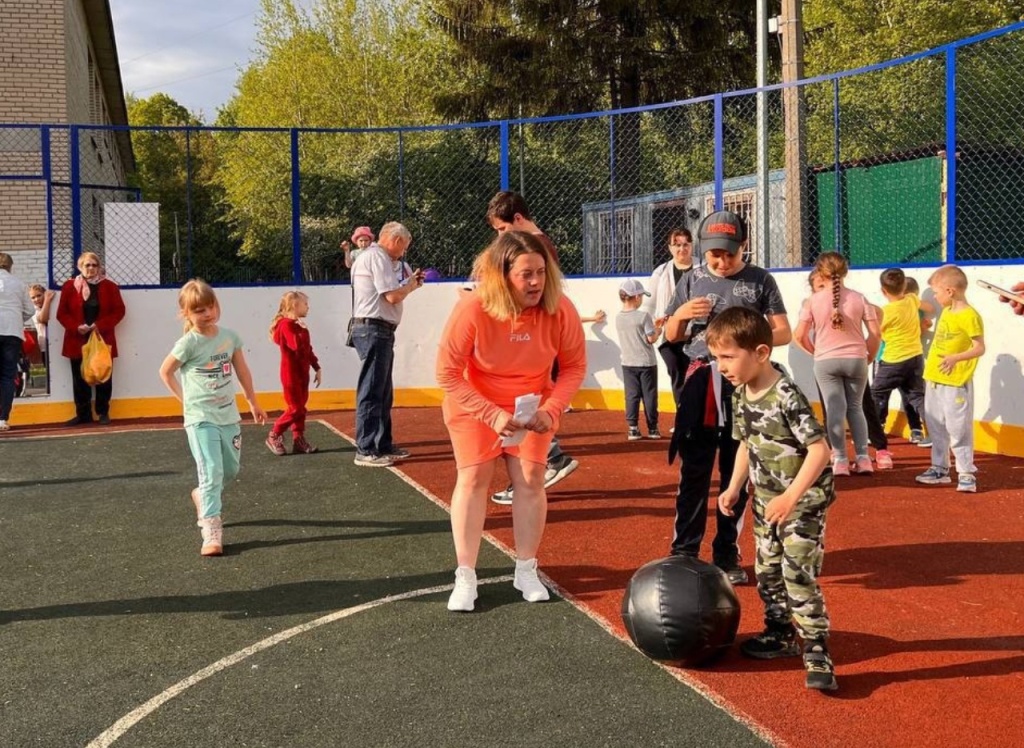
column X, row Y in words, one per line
column 857, row 162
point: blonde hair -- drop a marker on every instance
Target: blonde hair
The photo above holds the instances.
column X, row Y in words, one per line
column 491, row 268
column 82, row 258
column 832, row 266
column 196, row 294
column 36, row 287
column 286, row 308
column 951, row 276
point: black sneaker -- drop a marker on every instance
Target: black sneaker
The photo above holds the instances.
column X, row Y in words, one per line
column 558, row 469
column 734, row 571
column 774, row 641
column 634, row 434
column 821, row 676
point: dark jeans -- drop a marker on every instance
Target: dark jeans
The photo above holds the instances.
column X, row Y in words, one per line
column 906, row 376
column 697, row 451
column 641, row 382
column 10, row 355
column 82, row 392
column 375, row 392
column 676, row 362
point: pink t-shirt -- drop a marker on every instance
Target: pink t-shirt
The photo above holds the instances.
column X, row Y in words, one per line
column 848, row 342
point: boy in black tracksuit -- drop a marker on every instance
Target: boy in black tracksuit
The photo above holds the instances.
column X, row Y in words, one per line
column 704, row 418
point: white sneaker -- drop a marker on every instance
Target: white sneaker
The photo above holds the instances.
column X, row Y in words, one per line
column 527, row 582
column 212, row 529
column 4, row 426
column 464, row 595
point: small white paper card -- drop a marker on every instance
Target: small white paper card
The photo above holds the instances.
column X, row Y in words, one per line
column 525, row 410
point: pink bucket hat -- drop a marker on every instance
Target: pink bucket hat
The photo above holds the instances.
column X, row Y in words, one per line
column 363, row 231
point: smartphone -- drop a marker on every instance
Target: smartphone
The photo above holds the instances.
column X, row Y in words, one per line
column 1011, row 295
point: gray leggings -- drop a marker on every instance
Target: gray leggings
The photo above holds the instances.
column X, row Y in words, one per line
column 842, row 382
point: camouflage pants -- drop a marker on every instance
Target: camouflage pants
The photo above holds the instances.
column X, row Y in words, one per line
column 787, row 566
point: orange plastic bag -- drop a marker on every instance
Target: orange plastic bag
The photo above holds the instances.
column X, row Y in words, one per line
column 97, row 363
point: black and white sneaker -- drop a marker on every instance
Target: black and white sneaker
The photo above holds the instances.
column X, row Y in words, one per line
column 775, row 641
column 821, row 675
column 559, row 469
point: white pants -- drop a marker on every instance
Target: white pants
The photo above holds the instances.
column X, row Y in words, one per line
column 949, row 413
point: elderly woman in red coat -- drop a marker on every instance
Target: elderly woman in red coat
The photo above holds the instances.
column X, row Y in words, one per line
column 88, row 302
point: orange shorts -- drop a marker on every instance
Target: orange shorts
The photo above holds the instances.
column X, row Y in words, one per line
column 475, row 443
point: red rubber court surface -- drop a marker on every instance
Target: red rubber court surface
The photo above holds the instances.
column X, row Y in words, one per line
column 924, row 584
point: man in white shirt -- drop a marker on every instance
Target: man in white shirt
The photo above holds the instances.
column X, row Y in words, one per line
column 15, row 310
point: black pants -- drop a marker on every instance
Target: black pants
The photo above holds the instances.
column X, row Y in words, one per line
column 676, row 362
column 907, row 377
column 697, row 445
column 641, row 382
column 83, row 393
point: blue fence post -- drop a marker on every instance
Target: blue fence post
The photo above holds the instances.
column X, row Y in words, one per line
column 613, row 223
column 951, row 154
column 47, row 164
column 188, row 200
column 838, row 174
column 401, row 175
column 296, row 210
column 503, row 133
column 719, row 154
column 76, row 200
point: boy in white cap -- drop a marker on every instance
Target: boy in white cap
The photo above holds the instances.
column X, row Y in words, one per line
column 637, row 334
column 704, row 417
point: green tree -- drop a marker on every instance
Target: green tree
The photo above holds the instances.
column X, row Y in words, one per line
column 177, row 168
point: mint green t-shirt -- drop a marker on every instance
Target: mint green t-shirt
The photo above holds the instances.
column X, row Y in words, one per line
column 208, row 376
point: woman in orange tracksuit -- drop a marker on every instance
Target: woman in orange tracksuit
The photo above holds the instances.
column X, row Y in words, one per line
column 499, row 344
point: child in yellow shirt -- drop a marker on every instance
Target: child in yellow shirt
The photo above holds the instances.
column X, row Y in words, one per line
column 949, row 372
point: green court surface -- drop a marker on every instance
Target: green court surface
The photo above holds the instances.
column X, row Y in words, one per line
column 114, row 631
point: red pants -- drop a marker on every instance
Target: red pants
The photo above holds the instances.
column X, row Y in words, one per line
column 295, row 396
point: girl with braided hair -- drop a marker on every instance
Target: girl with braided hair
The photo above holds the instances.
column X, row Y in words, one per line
column 838, row 318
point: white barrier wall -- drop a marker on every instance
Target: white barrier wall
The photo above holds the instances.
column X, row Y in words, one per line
column 151, row 327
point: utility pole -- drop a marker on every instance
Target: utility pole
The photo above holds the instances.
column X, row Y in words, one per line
column 792, row 31
column 761, row 211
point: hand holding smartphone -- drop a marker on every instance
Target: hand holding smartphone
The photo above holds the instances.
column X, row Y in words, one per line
column 1004, row 293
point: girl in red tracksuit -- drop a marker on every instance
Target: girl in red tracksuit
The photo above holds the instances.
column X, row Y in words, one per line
column 289, row 332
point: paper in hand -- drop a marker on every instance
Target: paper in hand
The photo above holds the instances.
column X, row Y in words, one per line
column 525, row 410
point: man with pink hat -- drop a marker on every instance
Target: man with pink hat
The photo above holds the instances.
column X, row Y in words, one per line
column 362, row 237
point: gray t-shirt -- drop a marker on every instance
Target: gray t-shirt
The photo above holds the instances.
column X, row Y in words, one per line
column 633, row 327
column 374, row 274
column 752, row 287
column 208, row 376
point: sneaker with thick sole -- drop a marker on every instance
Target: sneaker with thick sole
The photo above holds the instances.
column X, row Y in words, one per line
column 934, row 476
column 883, row 459
column 840, row 467
column 301, row 447
column 966, row 483
column 397, row 453
column 559, row 469
column 275, row 443
column 916, row 435
column 373, row 460
column 463, row 597
column 773, row 642
column 734, row 572
column 503, row 497
column 863, row 466
column 4, row 426
column 527, row 582
column 654, row 434
column 926, row 442
column 821, row 675
column 212, row 530
column 634, row 434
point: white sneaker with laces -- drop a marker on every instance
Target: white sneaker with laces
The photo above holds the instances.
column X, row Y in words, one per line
column 4, row 426
column 527, row 581
column 464, row 594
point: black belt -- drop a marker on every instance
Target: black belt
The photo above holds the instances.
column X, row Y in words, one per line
column 375, row 322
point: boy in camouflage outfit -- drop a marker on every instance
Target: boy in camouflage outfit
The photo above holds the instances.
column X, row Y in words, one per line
column 786, row 456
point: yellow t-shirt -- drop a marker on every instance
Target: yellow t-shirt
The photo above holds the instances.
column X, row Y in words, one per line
column 953, row 334
column 901, row 329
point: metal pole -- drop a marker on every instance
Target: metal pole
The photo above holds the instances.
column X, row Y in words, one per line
column 761, row 212
column 796, row 149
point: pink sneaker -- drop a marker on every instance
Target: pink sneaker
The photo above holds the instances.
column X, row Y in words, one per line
column 883, row 459
column 863, row 466
column 840, row 467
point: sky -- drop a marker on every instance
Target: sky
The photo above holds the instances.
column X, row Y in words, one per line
column 193, row 50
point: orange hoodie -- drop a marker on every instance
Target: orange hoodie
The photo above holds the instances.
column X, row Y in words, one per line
column 483, row 364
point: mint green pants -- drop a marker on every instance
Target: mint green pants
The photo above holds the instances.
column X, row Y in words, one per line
column 217, row 451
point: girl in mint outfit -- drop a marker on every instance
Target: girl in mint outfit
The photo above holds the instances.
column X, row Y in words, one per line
column 210, row 358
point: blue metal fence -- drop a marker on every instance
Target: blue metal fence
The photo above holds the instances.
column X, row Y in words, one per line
column 917, row 160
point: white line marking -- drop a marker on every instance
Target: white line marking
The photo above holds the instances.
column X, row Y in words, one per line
column 123, row 725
